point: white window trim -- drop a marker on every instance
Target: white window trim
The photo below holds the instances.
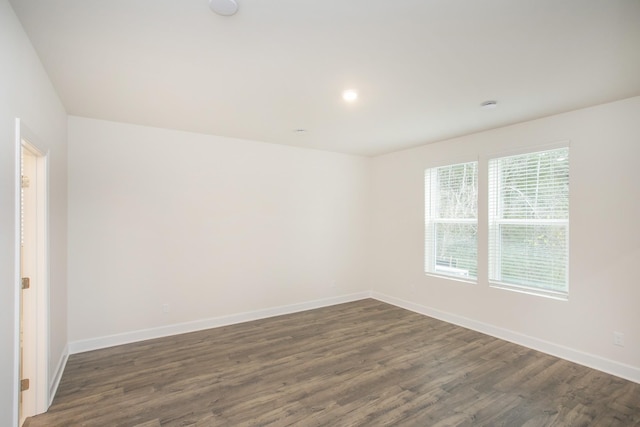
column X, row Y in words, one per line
column 485, row 160
column 429, row 269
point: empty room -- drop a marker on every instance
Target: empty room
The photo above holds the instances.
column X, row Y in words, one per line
column 319, row 213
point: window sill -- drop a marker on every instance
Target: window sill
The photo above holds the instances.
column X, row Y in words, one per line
column 470, row 281
column 560, row 296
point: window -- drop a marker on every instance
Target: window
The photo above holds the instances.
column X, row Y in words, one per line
column 529, row 222
column 451, row 220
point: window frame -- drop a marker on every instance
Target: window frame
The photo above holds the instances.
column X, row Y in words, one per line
column 494, row 223
column 431, row 222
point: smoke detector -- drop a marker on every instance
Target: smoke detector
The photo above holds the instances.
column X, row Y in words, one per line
column 224, row 7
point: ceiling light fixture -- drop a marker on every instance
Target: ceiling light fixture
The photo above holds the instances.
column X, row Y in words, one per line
column 224, row 7
column 489, row 105
column 350, row 95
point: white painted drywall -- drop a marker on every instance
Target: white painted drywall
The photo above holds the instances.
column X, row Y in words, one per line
column 211, row 226
column 604, row 233
column 27, row 93
column 215, row 227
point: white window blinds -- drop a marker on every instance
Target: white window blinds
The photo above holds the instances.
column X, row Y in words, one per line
column 529, row 221
column 451, row 220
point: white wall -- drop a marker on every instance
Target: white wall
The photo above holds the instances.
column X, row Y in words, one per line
column 27, row 93
column 604, row 236
column 215, row 226
column 212, row 226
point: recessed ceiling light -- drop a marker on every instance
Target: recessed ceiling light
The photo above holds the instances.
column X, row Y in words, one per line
column 349, row 95
column 299, row 131
column 489, row 105
column 224, row 7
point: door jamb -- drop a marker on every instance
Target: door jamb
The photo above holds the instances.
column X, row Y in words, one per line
column 24, row 137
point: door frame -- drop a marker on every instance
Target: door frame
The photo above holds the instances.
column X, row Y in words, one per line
column 25, row 138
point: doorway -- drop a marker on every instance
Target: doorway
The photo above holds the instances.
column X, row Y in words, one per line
column 32, row 307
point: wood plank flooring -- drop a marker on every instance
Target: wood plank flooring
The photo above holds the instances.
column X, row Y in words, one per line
column 364, row 363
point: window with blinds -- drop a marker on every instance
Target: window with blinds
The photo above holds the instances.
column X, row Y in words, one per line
column 529, row 222
column 451, row 220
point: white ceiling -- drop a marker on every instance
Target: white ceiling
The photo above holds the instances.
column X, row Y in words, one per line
column 421, row 67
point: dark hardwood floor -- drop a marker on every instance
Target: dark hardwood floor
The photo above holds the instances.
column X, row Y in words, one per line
column 364, row 363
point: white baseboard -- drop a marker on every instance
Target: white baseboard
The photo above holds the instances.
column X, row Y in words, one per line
column 198, row 325
column 628, row 372
column 55, row 381
column 621, row 370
